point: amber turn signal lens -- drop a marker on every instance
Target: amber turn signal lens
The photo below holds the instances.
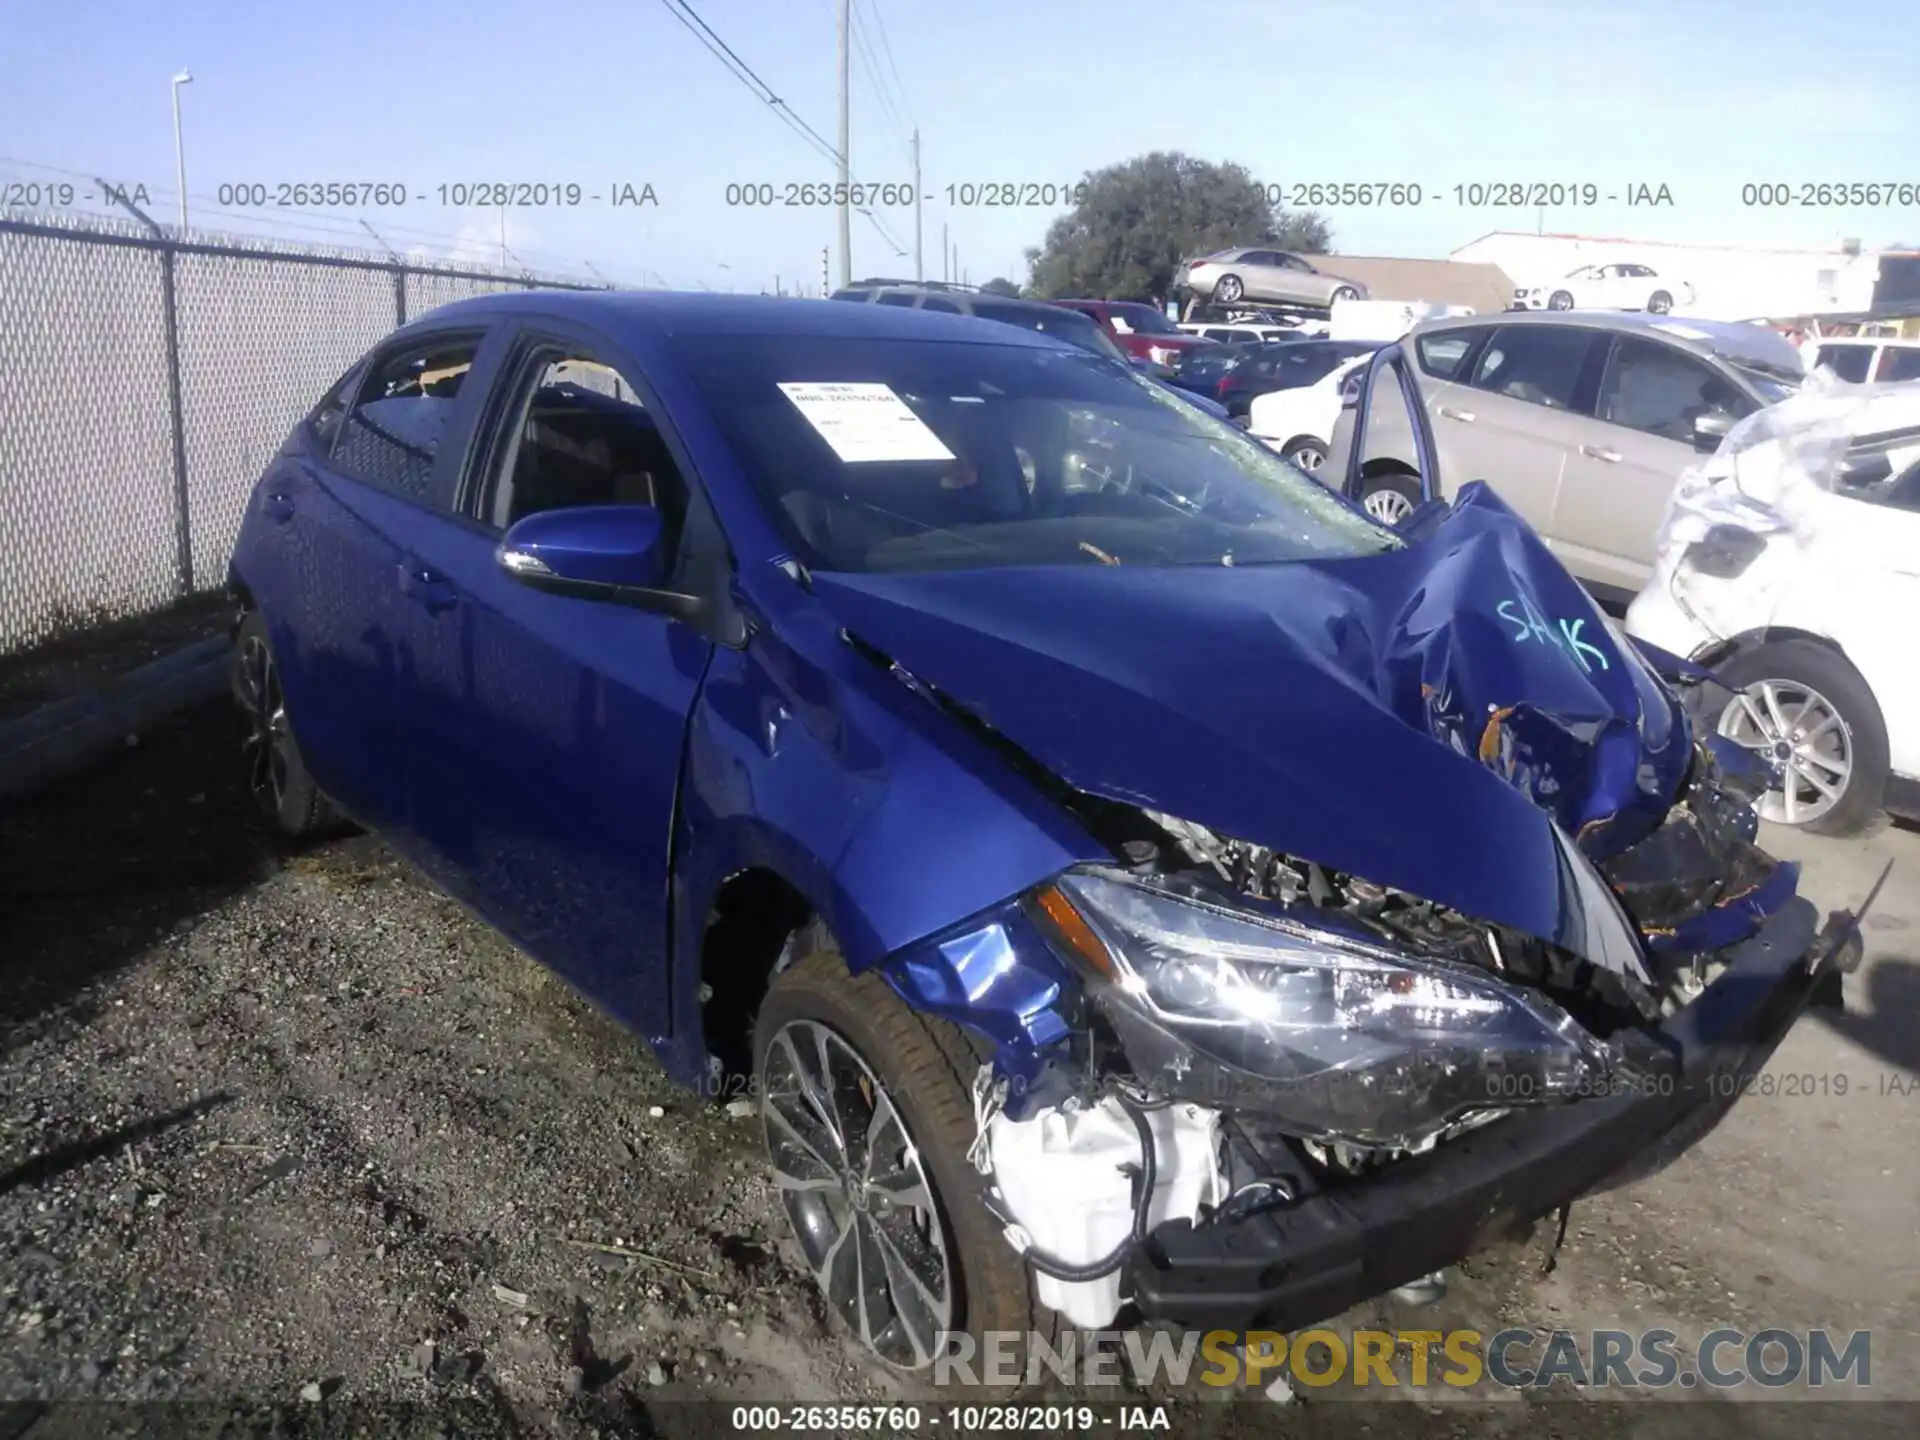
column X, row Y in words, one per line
column 1079, row 936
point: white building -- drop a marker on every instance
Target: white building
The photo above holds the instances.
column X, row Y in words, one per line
column 1729, row 282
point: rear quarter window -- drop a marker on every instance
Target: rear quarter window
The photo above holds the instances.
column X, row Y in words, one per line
column 1441, row 354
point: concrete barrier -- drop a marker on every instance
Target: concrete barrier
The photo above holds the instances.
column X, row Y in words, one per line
column 54, row 741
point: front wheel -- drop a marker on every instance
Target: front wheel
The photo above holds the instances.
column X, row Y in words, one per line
column 1390, row 498
column 868, row 1113
column 1345, row 292
column 1229, row 290
column 1810, row 716
column 1659, row 303
column 1560, row 300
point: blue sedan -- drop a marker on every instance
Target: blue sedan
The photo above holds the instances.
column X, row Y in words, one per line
column 1073, row 823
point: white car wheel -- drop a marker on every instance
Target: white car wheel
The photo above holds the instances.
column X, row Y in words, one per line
column 1308, row 455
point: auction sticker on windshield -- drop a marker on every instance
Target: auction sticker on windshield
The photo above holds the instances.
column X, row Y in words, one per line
column 864, row 420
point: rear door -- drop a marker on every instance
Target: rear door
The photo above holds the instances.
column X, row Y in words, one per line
column 1626, row 459
column 1524, row 408
column 347, row 516
column 547, row 753
column 1850, row 360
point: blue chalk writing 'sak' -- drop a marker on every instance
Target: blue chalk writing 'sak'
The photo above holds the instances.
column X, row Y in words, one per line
column 1529, row 624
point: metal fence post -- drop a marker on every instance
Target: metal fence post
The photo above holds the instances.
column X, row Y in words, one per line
column 170, row 328
column 399, row 295
column 182, row 515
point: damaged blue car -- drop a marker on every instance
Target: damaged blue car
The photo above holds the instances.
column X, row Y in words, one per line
column 1131, row 881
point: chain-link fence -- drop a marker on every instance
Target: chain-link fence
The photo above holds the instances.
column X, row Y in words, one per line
column 146, row 378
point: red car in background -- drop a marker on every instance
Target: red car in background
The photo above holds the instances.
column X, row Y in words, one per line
column 1139, row 329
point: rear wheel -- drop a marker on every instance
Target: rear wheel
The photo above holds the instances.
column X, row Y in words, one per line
column 1390, row 498
column 1307, row 453
column 1806, row 712
column 1345, row 292
column 1659, row 303
column 1229, row 290
column 868, row 1113
column 277, row 777
column 1560, row 300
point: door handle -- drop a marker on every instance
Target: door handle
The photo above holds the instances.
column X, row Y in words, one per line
column 427, row 587
column 1601, row 452
column 277, row 506
column 1453, row 414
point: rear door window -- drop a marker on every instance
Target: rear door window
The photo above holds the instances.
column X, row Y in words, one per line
column 1848, row 362
column 1540, row 364
column 1898, row 363
column 895, row 297
column 945, row 307
column 1441, row 354
column 392, row 436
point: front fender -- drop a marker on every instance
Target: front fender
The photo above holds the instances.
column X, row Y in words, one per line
column 891, row 818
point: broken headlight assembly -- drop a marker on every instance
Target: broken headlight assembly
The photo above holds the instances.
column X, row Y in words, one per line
column 1333, row 1035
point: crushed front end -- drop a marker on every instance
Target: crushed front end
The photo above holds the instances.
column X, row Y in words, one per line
column 1234, row 1087
column 1421, row 926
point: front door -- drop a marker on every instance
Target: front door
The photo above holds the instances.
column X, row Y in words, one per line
column 547, row 759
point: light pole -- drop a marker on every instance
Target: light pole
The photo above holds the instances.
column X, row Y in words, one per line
column 185, row 77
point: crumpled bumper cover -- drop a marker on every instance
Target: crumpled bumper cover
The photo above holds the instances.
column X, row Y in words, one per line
column 1287, row 1268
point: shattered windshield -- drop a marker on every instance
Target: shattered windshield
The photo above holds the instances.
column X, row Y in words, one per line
column 882, row 454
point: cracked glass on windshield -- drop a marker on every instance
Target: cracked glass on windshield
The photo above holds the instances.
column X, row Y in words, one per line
column 915, row 455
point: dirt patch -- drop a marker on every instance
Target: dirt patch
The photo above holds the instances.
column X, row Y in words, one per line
column 74, row 664
column 294, row 1124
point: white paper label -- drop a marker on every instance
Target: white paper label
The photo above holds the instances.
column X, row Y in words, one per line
column 1685, row 332
column 864, row 420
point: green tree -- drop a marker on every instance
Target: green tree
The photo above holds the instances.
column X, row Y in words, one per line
column 1000, row 285
column 1141, row 218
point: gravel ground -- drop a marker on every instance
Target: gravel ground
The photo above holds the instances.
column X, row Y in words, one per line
column 294, row 1131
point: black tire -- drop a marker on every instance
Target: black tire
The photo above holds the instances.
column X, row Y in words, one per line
column 1303, row 445
column 1228, row 290
column 926, row 1067
column 1395, row 482
column 1659, row 303
column 1807, row 663
column 277, row 777
column 1345, row 292
column 1560, row 300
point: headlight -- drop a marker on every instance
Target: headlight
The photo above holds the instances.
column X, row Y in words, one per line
column 1333, row 1035
column 1161, row 354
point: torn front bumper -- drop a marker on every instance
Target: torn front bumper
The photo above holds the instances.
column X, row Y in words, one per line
column 1286, row 1268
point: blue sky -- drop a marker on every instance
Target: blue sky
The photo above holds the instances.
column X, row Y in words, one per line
column 1702, row 96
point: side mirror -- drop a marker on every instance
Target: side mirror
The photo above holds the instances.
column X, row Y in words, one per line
column 593, row 552
column 1711, row 428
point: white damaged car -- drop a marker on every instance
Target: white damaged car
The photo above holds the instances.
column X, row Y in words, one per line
column 1789, row 563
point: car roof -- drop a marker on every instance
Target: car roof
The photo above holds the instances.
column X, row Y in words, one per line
column 1728, row 339
column 660, row 313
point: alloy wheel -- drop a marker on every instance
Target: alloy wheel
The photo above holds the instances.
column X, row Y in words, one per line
column 1308, row 457
column 857, row 1192
column 269, row 740
column 1389, row 507
column 1805, row 741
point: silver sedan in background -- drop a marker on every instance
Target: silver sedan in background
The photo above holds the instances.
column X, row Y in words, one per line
column 1229, row 277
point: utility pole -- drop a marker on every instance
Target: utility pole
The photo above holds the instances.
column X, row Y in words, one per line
column 503, row 237
column 846, row 168
column 943, row 252
column 919, row 268
column 956, row 263
column 823, row 272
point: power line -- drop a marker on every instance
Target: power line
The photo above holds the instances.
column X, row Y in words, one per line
column 763, row 92
column 867, row 63
column 744, row 73
column 886, row 48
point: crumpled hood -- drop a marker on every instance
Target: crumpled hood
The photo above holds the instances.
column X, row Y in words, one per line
column 1422, row 718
